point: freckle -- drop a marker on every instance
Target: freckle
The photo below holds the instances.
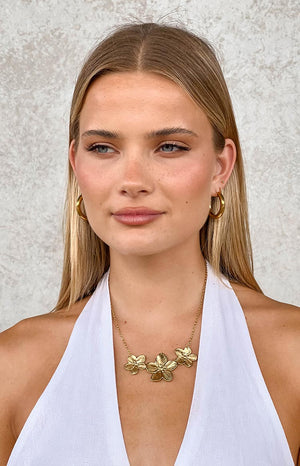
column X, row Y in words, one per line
column 125, row 321
column 186, row 202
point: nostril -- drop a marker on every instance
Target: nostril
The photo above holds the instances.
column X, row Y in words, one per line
column 135, row 189
column 131, row 191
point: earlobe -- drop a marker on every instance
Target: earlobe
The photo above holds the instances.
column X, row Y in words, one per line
column 72, row 154
column 225, row 163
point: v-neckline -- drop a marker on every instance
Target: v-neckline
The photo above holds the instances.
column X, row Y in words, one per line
column 181, row 452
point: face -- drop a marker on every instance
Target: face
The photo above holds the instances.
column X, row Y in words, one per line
column 146, row 164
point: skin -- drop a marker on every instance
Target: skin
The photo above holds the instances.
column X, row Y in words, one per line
column 163, row 257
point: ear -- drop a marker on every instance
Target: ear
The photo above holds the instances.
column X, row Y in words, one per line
column 224, row 165
column 72, row 155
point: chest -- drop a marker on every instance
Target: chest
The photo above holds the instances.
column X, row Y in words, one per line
column 154, row 415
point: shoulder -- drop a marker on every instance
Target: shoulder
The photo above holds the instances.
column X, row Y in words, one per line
column 272, row 323
column 29, row 353
column 40, row 330
column 267, row 316
column 33, row 326
column 274, row 328
column 26, row 344
column 27, row 341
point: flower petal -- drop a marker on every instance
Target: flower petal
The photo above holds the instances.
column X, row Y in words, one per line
column 168, row 376
column 152, row 367
column 134, row 371
column 157, row 376
column 132, row 359
column 141, row 358
column 142, row 366
column 193, row 357
column 179, row 352
column 129, row 366
column 171, row 365
column 161, row 359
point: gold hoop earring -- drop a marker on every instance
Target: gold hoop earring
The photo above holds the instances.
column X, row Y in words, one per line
column 78, row 208
column 221, row 209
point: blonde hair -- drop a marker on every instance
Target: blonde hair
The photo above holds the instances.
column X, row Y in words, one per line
column 189, row 61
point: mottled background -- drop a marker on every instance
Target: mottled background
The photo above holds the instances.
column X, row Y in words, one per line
column 43, row 44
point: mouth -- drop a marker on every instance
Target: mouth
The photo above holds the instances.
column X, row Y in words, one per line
column 136, row 215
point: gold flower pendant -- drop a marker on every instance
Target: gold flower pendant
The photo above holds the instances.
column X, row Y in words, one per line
column 135, row 363
column 162, row 367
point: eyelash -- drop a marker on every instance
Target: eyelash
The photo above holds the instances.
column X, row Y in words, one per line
column 94, row 147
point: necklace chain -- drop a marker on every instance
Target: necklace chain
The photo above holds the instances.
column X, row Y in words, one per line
column 162, row 368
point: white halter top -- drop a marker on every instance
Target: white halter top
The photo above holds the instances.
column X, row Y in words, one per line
column 232, row 420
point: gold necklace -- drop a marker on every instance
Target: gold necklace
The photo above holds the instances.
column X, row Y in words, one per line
column 162, row 367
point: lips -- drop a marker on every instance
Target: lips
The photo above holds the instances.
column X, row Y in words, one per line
column 136, row 215
column 136, row 211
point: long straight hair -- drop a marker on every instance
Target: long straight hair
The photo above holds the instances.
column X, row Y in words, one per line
column 190, row 62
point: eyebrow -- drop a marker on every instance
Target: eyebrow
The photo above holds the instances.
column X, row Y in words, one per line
column 160, row 132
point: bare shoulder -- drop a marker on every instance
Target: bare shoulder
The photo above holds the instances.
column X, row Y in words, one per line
column 29, row 354
column 37, row 333
column 268, row 315
column 26, row 345
column 274, row 328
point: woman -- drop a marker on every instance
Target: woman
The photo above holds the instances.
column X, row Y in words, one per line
column 117, row 374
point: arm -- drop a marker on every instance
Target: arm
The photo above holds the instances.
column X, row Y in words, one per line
column 9, row 369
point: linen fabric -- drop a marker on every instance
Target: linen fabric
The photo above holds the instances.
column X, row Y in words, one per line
column 232, row 420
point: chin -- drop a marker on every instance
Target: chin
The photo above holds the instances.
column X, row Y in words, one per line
column 133, row 243
column 139, row 247
column 136, row 250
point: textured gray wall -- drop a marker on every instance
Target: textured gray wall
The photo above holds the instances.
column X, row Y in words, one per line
column 43, row 45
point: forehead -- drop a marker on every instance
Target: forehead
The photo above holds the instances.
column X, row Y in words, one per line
column 139, row 96
column 136, row 82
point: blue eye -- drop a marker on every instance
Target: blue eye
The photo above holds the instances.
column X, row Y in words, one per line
column 169, row 147
column 100, row 149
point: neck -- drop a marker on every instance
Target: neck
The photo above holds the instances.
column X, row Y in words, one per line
column 156, row 287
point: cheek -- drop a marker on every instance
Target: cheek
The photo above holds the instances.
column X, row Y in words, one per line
column 193, row 184
column 193, row 195
column 91, row 179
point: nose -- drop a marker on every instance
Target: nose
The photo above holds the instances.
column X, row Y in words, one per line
column 136, row 176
